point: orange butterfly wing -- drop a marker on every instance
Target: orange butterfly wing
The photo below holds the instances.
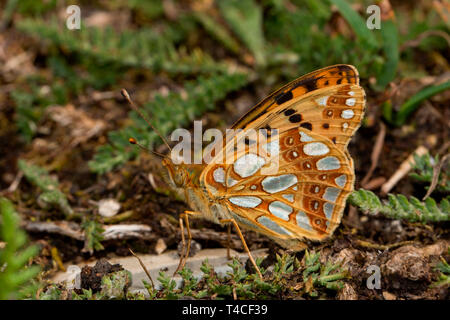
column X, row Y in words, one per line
column 315, row 117
column 315, row 101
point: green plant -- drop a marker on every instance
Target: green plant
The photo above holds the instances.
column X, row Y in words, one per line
column 93, row 236
column 51, row 195
column 245, row 18
column 399, row 207
column 167, row 286
column 315, row 274
column 116, row 284
column 424, row 170
column 407, row 108
column 15, row 274
column 85, row 295
column 129, row 49
column 444, row 275
column 170, row 112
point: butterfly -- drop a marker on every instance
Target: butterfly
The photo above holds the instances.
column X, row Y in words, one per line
column 308, row 124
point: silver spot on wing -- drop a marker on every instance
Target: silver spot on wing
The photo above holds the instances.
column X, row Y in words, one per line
column 245, row 201
column 315, row 149
column 278, row 183
column 331, row 194
column 303, row 221
column 248, row 164
column 328, row 209
column 272, row 225
column 341, row 180
column 328, row 163
column 280, row 210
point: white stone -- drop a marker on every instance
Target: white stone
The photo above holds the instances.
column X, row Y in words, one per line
column 108, row 207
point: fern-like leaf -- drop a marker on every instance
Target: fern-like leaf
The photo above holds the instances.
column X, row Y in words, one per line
column 424, row 170
column 170, row 112
column 399, row 207
column 51, row 195
column 93, row 236
column 139, row 49
column 15, row 276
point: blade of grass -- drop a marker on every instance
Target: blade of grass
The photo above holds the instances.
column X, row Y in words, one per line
column 389, row 34
column 245, row 18
column 356, row 22
column 410, row 106
column 217, row 31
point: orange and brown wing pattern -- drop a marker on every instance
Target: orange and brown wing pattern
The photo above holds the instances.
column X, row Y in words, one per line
column 333, row 112
column 328, row 101
column 303, row 196
column 325, row 77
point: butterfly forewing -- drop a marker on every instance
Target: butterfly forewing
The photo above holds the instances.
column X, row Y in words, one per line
column 326, row 77
column 333, row 112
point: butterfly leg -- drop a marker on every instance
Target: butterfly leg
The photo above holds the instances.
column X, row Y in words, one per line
column 228, row 242
column 186, row 248
column 244, row 243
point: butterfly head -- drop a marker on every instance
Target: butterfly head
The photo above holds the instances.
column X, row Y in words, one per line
column 178, row 176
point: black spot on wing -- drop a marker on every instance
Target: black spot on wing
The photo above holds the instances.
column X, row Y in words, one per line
column 283, row 97
column 249, row 142
column 309, row 83
column 295, row 118
column 268, row 130
column 349, row 72
column 306, row 125
column 289, row 112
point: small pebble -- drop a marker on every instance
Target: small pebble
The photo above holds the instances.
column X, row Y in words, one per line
column 160, row 246
column 108, row 207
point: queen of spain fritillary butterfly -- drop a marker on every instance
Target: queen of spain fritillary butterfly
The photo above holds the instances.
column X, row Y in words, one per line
column 315, row 117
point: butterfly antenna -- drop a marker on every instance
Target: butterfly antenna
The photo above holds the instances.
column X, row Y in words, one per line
column 134, row 141
column 135, row 108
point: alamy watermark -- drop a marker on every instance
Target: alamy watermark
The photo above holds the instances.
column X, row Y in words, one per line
column 374, row 281
column 374, row 20
column 73, row 21
column 226, row 149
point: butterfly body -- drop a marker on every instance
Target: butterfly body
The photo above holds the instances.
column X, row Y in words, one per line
column 184, row 179
column 293, row 184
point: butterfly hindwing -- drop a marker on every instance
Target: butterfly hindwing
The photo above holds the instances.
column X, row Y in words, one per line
column 303, row 196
